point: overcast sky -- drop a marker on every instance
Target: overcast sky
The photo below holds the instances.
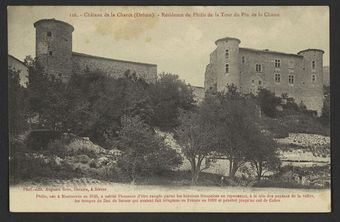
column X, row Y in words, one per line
column 177, row 45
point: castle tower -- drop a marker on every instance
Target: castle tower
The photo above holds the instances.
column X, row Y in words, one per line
column 227, row 65
column 54, row 47
column 312, row 78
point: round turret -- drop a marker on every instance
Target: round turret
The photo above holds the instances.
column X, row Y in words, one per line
column 313, row 66
column 312, row 77
column 228, row 70
column 54, row 47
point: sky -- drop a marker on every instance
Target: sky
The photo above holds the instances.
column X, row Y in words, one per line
column 178, row 45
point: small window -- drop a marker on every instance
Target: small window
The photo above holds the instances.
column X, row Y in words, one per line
column 252, row 81
column 313, row 78
column 243, row 59
column 291, row 79
column 50, row 53
column 277, row 77
column 277, row 63
column 227, row 54
column 260, row 82
column 313, row 64
column 227, row 68
column 49, row 34
column 258, row 68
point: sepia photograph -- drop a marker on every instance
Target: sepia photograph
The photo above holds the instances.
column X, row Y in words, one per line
column 169, row 108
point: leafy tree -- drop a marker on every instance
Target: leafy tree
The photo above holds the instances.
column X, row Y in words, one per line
column 196, row 137
column 17, row 114
column 262, row 152
column 268, row 102
column 99, row 101
column 144, row 151
column 168, row 95
column 46, row 98
column 234, row 117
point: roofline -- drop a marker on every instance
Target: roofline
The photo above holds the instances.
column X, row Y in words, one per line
column 116, row 60
column 272, row 52
column 17, row 60
column 305, row 50
column 53, row 20
column 227, row 38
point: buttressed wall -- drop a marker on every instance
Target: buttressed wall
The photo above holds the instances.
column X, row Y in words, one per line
column 298, row 75
column 54, row 53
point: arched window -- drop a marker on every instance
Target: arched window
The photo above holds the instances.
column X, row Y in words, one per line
column 49, row 34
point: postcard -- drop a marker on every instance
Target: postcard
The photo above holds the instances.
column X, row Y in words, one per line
column 169, row 108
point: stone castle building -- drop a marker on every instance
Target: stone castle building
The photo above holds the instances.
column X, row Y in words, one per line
column 54, row 53
column 300, row 75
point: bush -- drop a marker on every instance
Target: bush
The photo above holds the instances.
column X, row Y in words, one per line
column 39, row 139
column 28, row 166
column 276, row 127
column 56, row 147
column 83, row 146
column 303, row 123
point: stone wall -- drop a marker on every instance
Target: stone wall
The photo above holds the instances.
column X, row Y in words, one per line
column 307, row 84
column 251, row 80
column 303, row 89
column 112, row 67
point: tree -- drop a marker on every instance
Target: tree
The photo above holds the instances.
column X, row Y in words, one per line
column 97, row 103
column 17, row 114
column 268, row 102
column 195, row 136
column 168, row 95
column 144, row 151
column 234, row 116
column 46, row 97
column 262, row 152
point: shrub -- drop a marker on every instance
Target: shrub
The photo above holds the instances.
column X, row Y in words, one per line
column 83, row 146
column 56, row 147
column 29, row 165
column 39, row 139
column 303, row 123
column 276, row 127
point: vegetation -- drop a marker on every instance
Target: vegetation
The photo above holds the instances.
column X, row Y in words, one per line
column 122, row 116
column 238, row 131
column 16, row 104
column 196, row 137
column 168, row 95
column 144, row 152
